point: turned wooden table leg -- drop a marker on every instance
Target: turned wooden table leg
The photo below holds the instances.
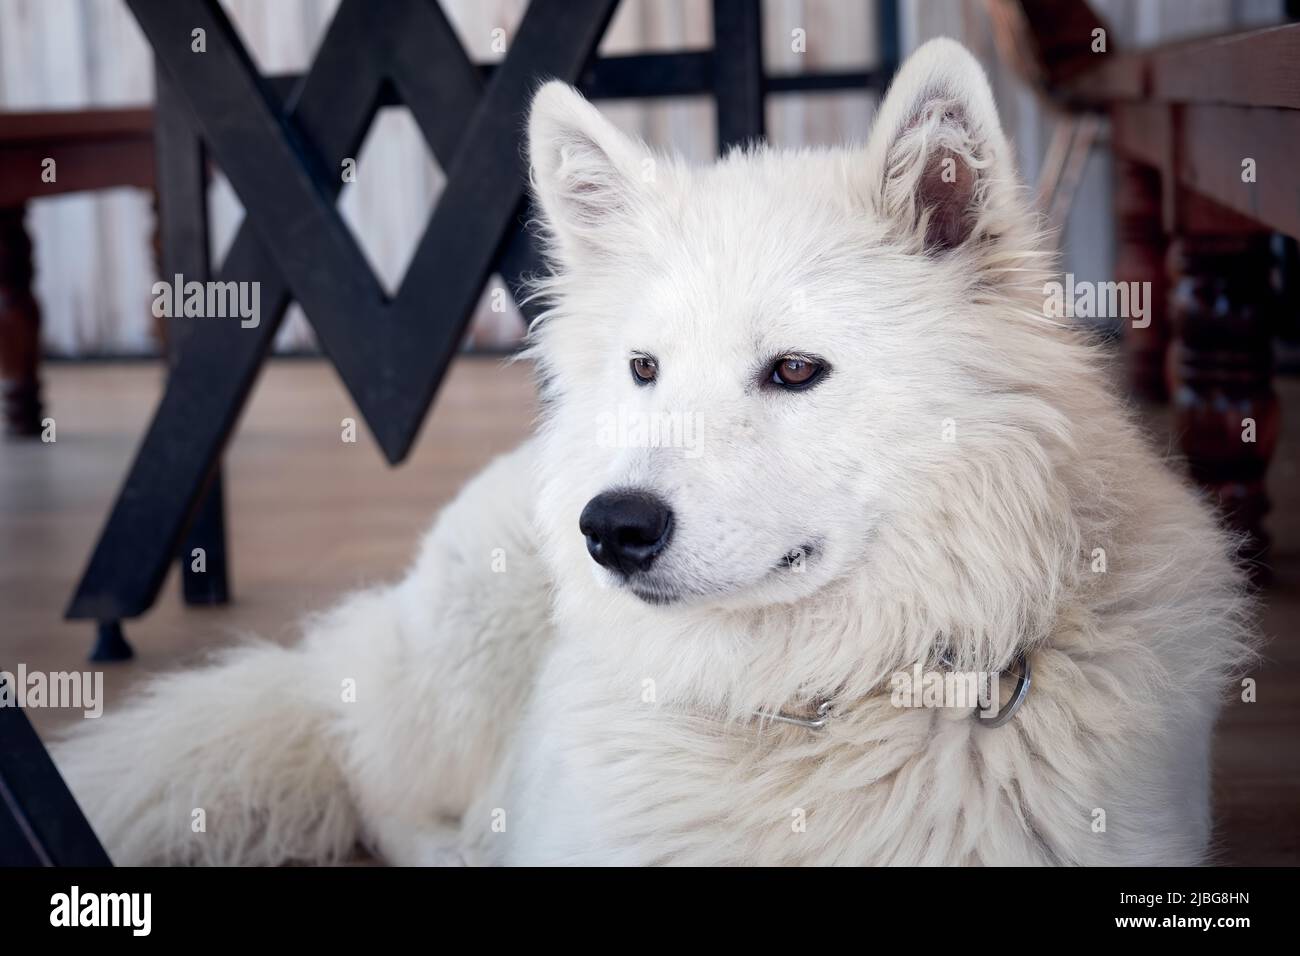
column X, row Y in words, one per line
column 1226, row 412
column 20, row 328
column 1140, row 244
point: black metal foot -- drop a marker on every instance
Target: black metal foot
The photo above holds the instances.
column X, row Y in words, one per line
column 110, row 643
column 201, row 592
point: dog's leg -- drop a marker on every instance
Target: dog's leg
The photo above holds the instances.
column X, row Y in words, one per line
column 378, row 727
column 437, row 706
column 398, row 845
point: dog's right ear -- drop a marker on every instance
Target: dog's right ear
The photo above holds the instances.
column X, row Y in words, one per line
column 585, row 173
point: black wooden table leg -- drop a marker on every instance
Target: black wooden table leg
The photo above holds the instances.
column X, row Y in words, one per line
column 738, row 71
column 40, row 822
column 182, row 186
column 205, row 568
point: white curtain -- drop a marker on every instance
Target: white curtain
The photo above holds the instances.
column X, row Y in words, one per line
column 93, row 256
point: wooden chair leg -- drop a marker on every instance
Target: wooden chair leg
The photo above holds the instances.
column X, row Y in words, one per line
column 20, row 328
column 1140, row 246
column 1226, row 412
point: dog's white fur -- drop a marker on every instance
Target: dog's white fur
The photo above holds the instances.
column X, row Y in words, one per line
column 547, row 714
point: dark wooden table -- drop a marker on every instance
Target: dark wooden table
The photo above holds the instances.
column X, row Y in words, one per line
column 48, row 154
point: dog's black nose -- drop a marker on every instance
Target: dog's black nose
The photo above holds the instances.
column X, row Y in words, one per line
column 626, row 529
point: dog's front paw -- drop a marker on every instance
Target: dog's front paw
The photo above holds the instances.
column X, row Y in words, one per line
column 437, row 853
column 409, row 846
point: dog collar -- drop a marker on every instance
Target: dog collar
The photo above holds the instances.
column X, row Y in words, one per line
column 822, row 710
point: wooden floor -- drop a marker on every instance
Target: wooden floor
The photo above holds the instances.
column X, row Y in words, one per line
column 310, row 517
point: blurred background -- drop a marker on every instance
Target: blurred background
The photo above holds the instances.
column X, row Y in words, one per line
column 306, row 517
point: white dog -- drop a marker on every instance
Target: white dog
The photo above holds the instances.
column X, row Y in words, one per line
column 806, row 432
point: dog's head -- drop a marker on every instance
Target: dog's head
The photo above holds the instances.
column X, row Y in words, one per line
column 755, row 371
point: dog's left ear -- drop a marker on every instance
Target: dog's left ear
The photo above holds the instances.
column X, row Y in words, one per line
column 939, row 164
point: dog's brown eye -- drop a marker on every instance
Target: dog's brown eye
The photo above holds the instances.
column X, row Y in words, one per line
column 644, row 370
column 793, row 372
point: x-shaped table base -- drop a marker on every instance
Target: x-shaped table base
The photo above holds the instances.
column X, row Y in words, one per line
column 282, row 161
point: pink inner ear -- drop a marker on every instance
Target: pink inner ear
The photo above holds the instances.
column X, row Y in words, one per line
column 945, row 196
